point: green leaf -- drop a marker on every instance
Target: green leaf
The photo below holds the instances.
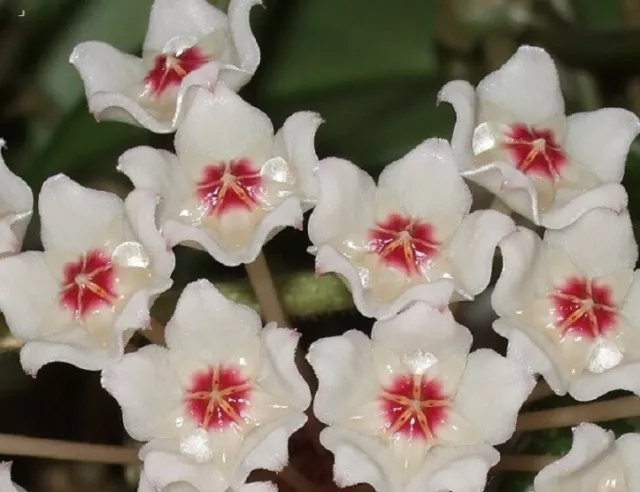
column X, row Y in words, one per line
column 79, row 141
column 121, row 23
column 331, row 44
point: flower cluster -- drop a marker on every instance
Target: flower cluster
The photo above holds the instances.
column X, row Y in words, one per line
column 409, row 408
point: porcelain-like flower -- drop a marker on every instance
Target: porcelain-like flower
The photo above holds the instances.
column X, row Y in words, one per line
column 570, row 304
column 233, row 184
column 513, row 138
column 146, row 486
column 597, row 462
column 189, row 44
column 80, row 300
column 16, row 207
column 410, row 409
column 220, row 401
column 410, row 238
column 6, row 485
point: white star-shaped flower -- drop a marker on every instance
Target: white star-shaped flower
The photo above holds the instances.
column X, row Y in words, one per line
column 411, row 409
column 189, row 44
column 233, row 183
column 219, row 401
column 81, row 299
column 410, row 238
column 513, row 138
column 569, row 304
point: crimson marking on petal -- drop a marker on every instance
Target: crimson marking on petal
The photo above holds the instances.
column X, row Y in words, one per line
column 414, row 407
column 403, row 243
column 229, row 185
column 535, row 151
column 218, row 397
column 88, row 284
column 169, row 69
column 584, row 308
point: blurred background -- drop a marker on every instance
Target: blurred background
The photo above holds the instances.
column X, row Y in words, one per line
column 371, row 68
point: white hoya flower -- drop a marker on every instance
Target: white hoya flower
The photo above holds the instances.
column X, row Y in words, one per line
column 410, row 238
column 569, row 304
column 411, row 410
column 16, row 208
column 220, row 401
column 189, row 44
column 80, row 300
column 513, row 138
column 146, row 486
column 6, row 485
column 233, row 184
column 597, row 462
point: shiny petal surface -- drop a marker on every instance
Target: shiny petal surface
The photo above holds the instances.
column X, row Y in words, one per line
column 600, row 140
column 526, row 86
column 16, row 208
column 490, row 378
column 596, row 462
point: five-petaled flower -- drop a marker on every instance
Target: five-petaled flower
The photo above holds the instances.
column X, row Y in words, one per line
column 6, row 485
column 409, row 239
column 80, row 300
column 569, row 304
column 221, row 400
column 596, row 462
column 410, row 408
column 513, row 138
column 189, row 44
column 16, row 207
column 233, row 184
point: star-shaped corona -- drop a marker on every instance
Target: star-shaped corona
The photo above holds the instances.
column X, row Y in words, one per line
column 218, row 397
column 535, row 151
column 584, row 308
column 404, row 243
column 89, row 284
column 169, row 69
column 229, row 185
column 414, row 407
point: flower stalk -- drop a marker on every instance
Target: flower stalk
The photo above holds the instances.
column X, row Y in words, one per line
column 602, row 411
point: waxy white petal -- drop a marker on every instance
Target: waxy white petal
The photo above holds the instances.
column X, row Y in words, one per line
column 16, row 208
column 408, row 239
column 6, row 485
column 116, row 84
column 596, row 460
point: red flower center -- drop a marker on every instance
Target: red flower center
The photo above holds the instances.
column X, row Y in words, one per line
column 414, row 407
column 169, row 69
column 535, row 151
column 229, row 185
column 88, row 284
column 403, row 243
column 584, row 308
column 218, row 397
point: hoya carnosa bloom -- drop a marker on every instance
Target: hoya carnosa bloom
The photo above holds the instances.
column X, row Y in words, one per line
column 145, row 485
column 219, row 401
column 411, row 409
column 16, row 208
column 80, row 300
column 189, row 44
column 513, row 138
column 569, row 304
column 6, row 485
column 596, row 462
column 409, row 238
column 233, row 184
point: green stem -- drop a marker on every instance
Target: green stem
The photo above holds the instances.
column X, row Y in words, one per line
column 303, row 295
